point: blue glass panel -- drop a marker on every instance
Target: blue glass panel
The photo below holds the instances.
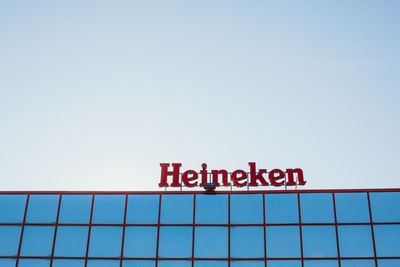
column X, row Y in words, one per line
column 283, row 242
column 352, row 207
column 281, row 208
column 247, row 264
column 211, row 209
column 108, row 209
column 385, row 206
column 105, row 241
column 357, row 263
column 284, row 263
column 71, row 241
column 355, row 241
column 177, row 209
column 12, row 208
column 103, row 263
column 75, row 208
column 33, row 263
column 175, row 241
column 387, row 240
column 68, row 263
column 42, row 209
column 388, row 263
column 210, row 264
column 136, row 263
column 140, row 242
column 319, row 241
column 317, row 208
column 246, row 208
column 37, row 241
column 142, row 209
column 247, row 242
column 174, row 264
column 211, row 242
column 321, row 263
column 9, row 240
column 7, row 262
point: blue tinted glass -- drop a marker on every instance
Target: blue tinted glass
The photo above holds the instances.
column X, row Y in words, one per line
column 42, row 209
column 387, row 240
column 142, row 209
column 33, row 263
column 7, row 262
column 283, row 242
column 211, row 242
column 108, row 209
column 321, row 263
column 210, row 264
column 358, row 263
column 212, row 209
column 388, row 263
column 283, row 263
column 355, row 241
column 71, row 241
column 385, row 206
column 281, row 208
column 75, row 208
column 103, row 263
column 133, row 263
column 247, row 242
column 319, row 241
column 247, row 208
column 140, row 242
column 174, row 264
column 12, row 208
column 105, row 241
column 9, row 240
column 316, row 208
column 68, row 263
column 37, row 241
column 177, row 209
column 352, row 207
column 247, row 264
column 175, row 241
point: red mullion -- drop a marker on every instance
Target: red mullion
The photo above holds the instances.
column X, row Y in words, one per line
column 158, row 228
column 229, row 229
column 372, row 228
column 194, row 228
column 55, row 231
column 336, row 228
column 265, row 233
column 300, row 230
column 123, row 229
column 90, row 229
column 22, row 229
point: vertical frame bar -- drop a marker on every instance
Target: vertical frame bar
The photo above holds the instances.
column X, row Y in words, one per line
column 55, row 231
column 229, row 229
column 22, row 229
column 194, row 223
column 300, row 230
column 372, row 228
column 123, row 229
column 265, row 233
column 158, row 228
column 90, row 229
column 336, row 228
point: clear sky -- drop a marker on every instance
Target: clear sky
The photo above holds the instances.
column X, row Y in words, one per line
column 95, row 94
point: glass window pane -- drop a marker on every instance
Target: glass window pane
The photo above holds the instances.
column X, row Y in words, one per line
column 105, row 241
column 211, row 242
column 385, row 206
column 281, row 208
column 352, row 207
column 140, row 242
column 210, row 264
column 7, row 262
column 142, row 209
column 33, row 263
column 211, row 209
column 9, row 240
column 387, row 240
column 247, row 242
column 136, row 263
column 279, row 263
column 321, row 263
column 175, row 241
column 177, row 209
column 355, row 241
column 103, row 263
column 108, row 209
column 174, row 264
column 316, row 208
column 68, row 263
column 283, row 242
column 71, row 241
column 247, row 264
column 319, row 241
column 247, row 208
column 42, row 209
column 12, row 208
column 388, row 263
column 357, row 263
column 37, row 241
column 75, row 208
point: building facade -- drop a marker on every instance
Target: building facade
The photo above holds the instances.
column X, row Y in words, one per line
column 305, row 228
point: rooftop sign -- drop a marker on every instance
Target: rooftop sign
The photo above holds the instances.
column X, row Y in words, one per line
column 238, row 178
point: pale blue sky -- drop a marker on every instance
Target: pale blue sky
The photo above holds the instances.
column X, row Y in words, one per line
column 95, row 94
